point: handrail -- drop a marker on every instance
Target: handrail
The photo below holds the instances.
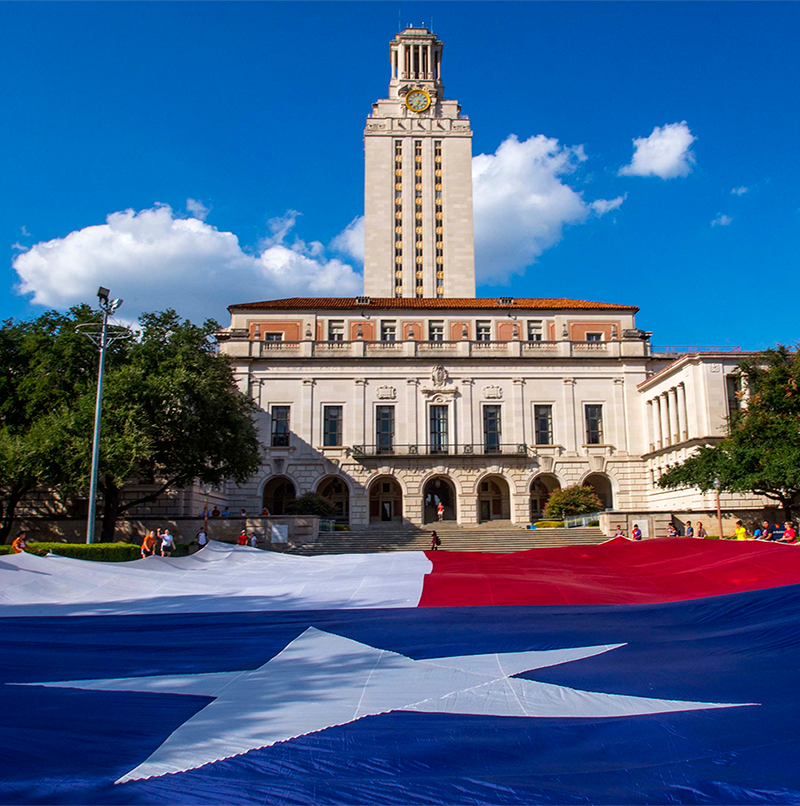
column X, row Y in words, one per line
column 428, row 449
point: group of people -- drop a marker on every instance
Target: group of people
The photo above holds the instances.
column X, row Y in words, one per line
column 226, row 513
column 767, row 531
column 764, row 531
column 158, row 540
column 247, row 540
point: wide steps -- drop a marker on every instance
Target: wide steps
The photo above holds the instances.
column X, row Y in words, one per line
column 483, row 538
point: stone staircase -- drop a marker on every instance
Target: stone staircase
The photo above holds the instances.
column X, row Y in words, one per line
column 499, row 536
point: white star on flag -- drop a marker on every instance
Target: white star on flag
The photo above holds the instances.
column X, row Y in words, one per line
column 321, row 680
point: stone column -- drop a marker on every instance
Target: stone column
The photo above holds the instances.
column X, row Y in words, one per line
column 620, row 421
column 665, row 433
column 571, row 442
column 682, row 413
column 518, row 405
column 307, row 412
column 412, row 415
column 359, row 400
column 652, row 424
column 467, row 420
column 673, row 416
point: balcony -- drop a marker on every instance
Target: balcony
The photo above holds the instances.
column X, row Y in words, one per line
column 237, row 344
column 434, row 450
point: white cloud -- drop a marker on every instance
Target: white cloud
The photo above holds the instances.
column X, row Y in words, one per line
column 603, row 206
column 721, row 220
column 24, row 231
column 197, row 209
column 522, row 203
column 154, row 259
column 350, row 241
column 666, row 153
column 739, row 191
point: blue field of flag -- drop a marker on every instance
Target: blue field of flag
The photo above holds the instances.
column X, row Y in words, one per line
column 691, row 702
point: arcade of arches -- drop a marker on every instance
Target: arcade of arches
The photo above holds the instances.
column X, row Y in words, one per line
column 438, row 490
column 385, row 500
column 278, row 492
column 541, row 489
column 337, row 492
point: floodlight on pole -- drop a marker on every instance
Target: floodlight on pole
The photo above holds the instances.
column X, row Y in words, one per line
column 102, row 334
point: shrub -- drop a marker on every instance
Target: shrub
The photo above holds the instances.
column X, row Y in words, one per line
column 573, row 500
column 100, row 552
column 594, row 523
column 549, row 524
column 341, row 527
column 311, row 504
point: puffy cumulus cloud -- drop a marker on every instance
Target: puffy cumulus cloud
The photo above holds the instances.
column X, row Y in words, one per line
column 350, row 241
column 740, row 191
column 154, row 259
column 522, row 203
column 721, row 220
column 197, row 209
column 666, row 153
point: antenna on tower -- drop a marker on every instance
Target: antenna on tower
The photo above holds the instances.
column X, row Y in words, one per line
column 399, row 23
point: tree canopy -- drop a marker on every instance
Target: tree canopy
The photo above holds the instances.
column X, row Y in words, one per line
column 575, row 500
column 761, row 452
column 172, row 413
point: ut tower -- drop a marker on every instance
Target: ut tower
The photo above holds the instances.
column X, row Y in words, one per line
column 418, row 181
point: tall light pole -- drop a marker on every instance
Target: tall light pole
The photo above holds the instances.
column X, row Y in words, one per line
column 102, row 335
column 717, row 485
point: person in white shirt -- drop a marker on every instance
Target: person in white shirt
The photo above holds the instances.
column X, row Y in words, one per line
column 167, row 543
column 202, row 539
column 253, row 540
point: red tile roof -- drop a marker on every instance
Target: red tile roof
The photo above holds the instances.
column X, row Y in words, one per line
column 460, row 303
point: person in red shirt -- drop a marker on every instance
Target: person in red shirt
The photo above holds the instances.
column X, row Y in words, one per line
column 789, row 534
column 243, row 538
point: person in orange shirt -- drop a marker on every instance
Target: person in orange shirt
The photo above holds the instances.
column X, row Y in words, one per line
column 20, row 543
column 149, row 545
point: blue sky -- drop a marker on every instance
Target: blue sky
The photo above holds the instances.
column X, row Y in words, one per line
column 256, row 112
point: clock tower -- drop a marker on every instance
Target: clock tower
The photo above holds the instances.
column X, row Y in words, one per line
column 418, row 181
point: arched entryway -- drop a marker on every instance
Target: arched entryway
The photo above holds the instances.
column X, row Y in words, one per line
column 338, row 493
column 601, row 484
column 494, row 501
column 385, row 500
column 278, row 492
column 438, row 490
column 541, row 489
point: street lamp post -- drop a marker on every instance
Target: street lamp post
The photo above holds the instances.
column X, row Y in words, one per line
column 102, row 337
column 717, row 486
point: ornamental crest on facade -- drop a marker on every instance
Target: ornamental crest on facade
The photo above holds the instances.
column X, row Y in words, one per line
column 386, row 393
column 493, row 392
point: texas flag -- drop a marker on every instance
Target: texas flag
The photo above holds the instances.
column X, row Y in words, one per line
column 655, row 672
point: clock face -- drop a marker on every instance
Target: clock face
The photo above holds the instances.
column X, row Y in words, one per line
column 418, row 100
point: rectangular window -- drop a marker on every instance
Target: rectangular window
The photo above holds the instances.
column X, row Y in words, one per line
column 388, row 331
column 436, row 331
column 594, row 425
column 491, row 429
column 535, row 330
column 733, row 390
column 594, row 337
column 438, row 416
column 280, row 426
column 483, row 330
column 384, row 429
column 543, row 424
column 336, row 330
column 273, row 337
column 332, row 426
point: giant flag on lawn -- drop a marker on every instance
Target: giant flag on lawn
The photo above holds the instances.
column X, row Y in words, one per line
column 655, row 672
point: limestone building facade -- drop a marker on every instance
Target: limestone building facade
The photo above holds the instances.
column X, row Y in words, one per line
column 419, row 393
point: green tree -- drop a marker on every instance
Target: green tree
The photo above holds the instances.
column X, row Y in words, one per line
column 761, row 452
column 172, row 412
column 311, row 504
column 45, row 366
column 575, row 500
column 172, row 415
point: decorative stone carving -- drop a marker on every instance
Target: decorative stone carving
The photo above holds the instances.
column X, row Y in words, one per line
column 493, row 392
column 386, row 393
column 715, row 368
column 439, row 375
